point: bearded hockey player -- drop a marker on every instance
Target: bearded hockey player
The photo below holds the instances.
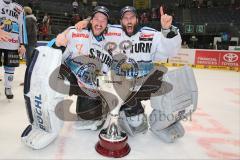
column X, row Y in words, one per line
column 143, row 46
column 13, row 38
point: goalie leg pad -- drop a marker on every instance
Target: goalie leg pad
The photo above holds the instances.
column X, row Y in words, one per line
column 171, row 133
column 182, row 100
column 41, row 99
column 159, row 120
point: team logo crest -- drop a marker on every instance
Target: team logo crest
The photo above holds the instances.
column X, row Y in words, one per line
column 127, row 68
column 7, row 25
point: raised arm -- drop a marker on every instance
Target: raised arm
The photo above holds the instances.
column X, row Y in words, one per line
column 82, row 24
column 61, row 39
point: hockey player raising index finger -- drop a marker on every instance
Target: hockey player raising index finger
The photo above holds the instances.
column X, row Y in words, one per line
column 144, row 45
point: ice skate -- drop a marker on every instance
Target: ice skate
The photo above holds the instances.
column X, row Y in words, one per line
column 8, row 93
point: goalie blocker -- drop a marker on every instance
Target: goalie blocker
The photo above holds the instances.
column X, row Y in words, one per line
column 41, row 99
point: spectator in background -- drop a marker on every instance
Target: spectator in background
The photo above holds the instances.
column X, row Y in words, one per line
column 94, row 3
column 75, row 6
column 154, row 14
column 211, row 46
column 194, row 3
column 85, row 3
column 31, row 25
column 48, row 24
column 45, row 28
column 200, row 3
column 144, row 18
column 185, row 45
column 45, row 18
column 209, row 4
column 76, row 18
column 43, row 31
column 232, row 3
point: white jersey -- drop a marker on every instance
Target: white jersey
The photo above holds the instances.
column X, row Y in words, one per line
column 12, row 17
column 147, row 44
column 84, row 44
column 144, row 47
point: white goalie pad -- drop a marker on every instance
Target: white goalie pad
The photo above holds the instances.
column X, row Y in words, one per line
column 41, row 98
column 177, row 104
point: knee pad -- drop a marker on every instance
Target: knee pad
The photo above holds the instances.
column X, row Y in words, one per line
column 177, row 104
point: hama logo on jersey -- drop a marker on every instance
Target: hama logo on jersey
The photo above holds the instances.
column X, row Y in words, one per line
column 113, row 34
column 80, row 35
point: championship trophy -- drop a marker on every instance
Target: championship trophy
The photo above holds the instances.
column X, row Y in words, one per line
column 117, row 89
column 113, row 141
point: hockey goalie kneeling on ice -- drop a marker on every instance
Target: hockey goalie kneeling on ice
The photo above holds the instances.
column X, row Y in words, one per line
column 171, row 108
column 41, row 99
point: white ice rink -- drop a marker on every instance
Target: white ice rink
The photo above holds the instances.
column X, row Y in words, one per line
column 213, row 132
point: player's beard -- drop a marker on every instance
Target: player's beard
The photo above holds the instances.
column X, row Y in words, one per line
column 90, row 27
column 7, row 1
column 134, row 30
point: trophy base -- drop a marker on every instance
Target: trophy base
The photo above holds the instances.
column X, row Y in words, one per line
column 113, row 148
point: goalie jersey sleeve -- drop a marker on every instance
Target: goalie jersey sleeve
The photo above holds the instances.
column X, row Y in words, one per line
column 165, row 47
